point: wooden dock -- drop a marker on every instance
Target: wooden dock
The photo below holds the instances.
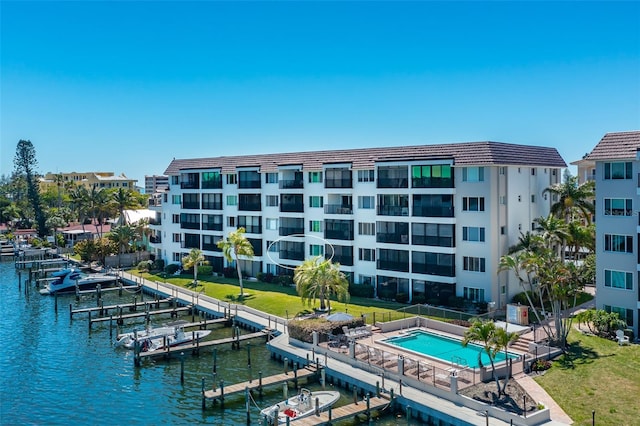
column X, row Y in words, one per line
column 221, row 392
column 345, row 412
column 129, row 306
column 195, row 347
column 121, row 317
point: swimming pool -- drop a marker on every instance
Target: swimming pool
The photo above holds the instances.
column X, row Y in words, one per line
column 443, row 348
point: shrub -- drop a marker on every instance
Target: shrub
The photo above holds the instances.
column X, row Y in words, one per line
column 284, row 280
column 419, row 299
column 456, row 302
column 172, row 268
column 205, row 270
column 144, row 266
column 540, row 365
column 265, row 277
column 158, row 265
column 402, row 297
column 229, row 272
column 361, row 290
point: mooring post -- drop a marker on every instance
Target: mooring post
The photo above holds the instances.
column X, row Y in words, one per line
column 55, row 296
column 70, row 311
column 355, row 396
column 286, row 364
column 377, row 388
column 182, row 368
column 89, row 320
column 260, row 383
column 368, row 412
column 408, row 415
column 248, row 354
column 317, row 406
column 111, row 326
column 215, row 360
column 323, row 377
column 222, row 392
column 246, row 404
column 204, row 400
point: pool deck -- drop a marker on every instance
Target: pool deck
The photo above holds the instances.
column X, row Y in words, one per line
column 558, row 416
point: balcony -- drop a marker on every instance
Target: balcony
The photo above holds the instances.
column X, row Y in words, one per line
column 292, row 254
column 338, row 183
column 291, row 183
column 338, row 209
column 444, row 211
column 287, row 230
column 250, row 206
column 395, row 238
column 339, row 234
column 155, row 239
column 292, row 207
column 393, row 265
column 393, row 183
column 393, row 211
column 189, row 225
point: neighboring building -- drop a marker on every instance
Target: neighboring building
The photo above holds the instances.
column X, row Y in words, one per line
column 428, row 222
column 155, row 183
column 617, row 175
column 89, row 180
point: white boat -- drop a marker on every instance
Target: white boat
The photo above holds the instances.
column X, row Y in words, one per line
column 66, row 280
column 127, row 340
column 160, row 337
column 300, row 406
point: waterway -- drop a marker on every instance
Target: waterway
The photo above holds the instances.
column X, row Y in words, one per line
column 57, row 371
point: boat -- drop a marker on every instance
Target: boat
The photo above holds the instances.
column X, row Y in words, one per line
column 153, row 339
column 68, row 279
column 300, row 406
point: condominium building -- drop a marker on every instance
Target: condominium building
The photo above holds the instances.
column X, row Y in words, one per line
column 616, row 161
column 427, row 222
column 100, row 180
column 155, row 183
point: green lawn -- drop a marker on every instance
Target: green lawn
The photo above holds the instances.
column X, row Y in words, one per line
column 275, row 299
column 596, row 374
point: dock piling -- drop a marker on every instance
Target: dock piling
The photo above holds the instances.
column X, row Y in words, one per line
column 204, row 400
column 182, row 368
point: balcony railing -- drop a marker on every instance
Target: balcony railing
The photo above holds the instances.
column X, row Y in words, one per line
column 189, row 225
column 338, row 209
column 157, row 239
column 339, row 234
column 249, row 206
column 291, row 183
column 392, row 265
column 338, row 183
column 393, row 211
column 292, row 207
column 392, row 237
column 393, row 183
column 444, row 211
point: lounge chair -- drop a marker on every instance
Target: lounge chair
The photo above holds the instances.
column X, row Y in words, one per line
column 622, row 339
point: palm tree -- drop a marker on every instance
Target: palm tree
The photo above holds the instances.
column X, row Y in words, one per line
column 123, row 200
column 80, row 203
column 573, row 199
column 318, row 278
column 234, row 246
column 501, row 340
column 483, row 332
column 194, row 259
column 122, row 236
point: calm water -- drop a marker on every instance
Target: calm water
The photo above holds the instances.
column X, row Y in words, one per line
column 55, row 371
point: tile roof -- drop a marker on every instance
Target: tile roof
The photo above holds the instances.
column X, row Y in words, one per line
column 620, row 145
column 466, row 153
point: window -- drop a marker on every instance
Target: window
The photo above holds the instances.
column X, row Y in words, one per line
column 432, row 234
column 176, row 199
column 366, row 228
column 431, row 176
column 272, row 224
column 533, row 198
column 315, row 177
column 212, row 201
column 315, row 226
column 316, row 250
column 618, row 243
column 211, row 180
column 618, row 207
column 503, row 230
column 176, row 238
column 475, row 264
column 473, row 174
column 502, row 170
column 365, row 176
column 503, row 200
column 473, row 204
column 175, row 180
column 618, row 279
column 366, row 202
column 232, row 200
column 623, row 313
column 316, row 201
column 367, row 255
column 472, row 233
column 533, row 171
column 231, row 221
column 232, row 179
column 618, row 170
column 272, row 200
column 273, row 246
column 474, row 294
column 175, row 218
column 366, row 279
column 271, row 178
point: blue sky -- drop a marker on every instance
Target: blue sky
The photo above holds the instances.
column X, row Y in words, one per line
column 127, row 86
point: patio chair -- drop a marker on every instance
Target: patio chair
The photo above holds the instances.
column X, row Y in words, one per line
column 622, row 339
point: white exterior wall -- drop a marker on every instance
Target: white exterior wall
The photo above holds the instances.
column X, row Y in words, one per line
column 496, row 215
column 617, row 225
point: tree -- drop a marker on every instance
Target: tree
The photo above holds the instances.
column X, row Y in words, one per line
column 574, row 201
column 501, row 341
column 123, row 199
column 194, row 259
column 319, row 278
column 122, row 236
column 56, row 222
column 234, row 246
column 483, row 332
column 25, row 163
